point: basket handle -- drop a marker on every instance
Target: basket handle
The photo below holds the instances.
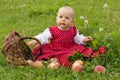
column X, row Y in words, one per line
column 16, row 33
column 29, row 37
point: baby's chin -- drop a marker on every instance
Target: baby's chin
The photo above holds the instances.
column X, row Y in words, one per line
column 63, row 27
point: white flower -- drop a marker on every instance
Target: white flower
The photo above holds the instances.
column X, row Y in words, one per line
column 101, row 29
column 81, row 17
column 86, row 21
column 105, row 5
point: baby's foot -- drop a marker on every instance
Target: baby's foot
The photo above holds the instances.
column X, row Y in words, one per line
column 30, row 62
column 53, row 65
column 38, row 64
column 54, row 60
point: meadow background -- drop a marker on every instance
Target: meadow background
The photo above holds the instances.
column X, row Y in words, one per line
column 98, row 18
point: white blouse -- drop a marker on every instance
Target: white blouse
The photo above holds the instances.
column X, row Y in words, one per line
column 45, row 36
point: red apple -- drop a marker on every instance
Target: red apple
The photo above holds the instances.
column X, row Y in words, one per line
column 79, row 61
column 102, row 49
column 77, row 66
column 99, row 69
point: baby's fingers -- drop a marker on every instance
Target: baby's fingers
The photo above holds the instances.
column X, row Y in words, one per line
column 90, row 38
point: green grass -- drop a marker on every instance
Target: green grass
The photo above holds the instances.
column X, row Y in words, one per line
column 30, row 17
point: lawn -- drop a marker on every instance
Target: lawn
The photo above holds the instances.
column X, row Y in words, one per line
column 97, row 18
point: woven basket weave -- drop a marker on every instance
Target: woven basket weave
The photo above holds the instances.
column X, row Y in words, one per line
column 16, row 50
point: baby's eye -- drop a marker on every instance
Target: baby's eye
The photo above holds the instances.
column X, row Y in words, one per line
column 67, row 17
column 60, row 16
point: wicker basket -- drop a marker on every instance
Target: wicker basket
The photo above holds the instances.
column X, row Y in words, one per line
column 16, row 50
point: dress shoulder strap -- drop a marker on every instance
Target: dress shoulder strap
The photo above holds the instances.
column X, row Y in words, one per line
column 75, row 30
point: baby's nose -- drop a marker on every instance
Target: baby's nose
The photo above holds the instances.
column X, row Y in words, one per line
column 63, row 18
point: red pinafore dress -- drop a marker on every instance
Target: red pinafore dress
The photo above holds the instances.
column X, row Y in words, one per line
column 62, row 46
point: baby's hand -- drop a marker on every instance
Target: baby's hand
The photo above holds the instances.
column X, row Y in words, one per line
column 33, row 42
column 87, row 39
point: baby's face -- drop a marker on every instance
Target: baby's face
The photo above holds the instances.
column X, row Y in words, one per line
column 64, row 18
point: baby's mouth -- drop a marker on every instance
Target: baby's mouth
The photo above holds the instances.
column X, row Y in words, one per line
column 62, row 24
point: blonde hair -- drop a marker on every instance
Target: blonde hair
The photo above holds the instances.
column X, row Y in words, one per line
column 69, row 8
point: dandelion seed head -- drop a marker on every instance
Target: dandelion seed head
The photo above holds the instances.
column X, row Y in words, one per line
column 101, row 29
column 105, row 5
column 81, row 17
column 86, row 21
